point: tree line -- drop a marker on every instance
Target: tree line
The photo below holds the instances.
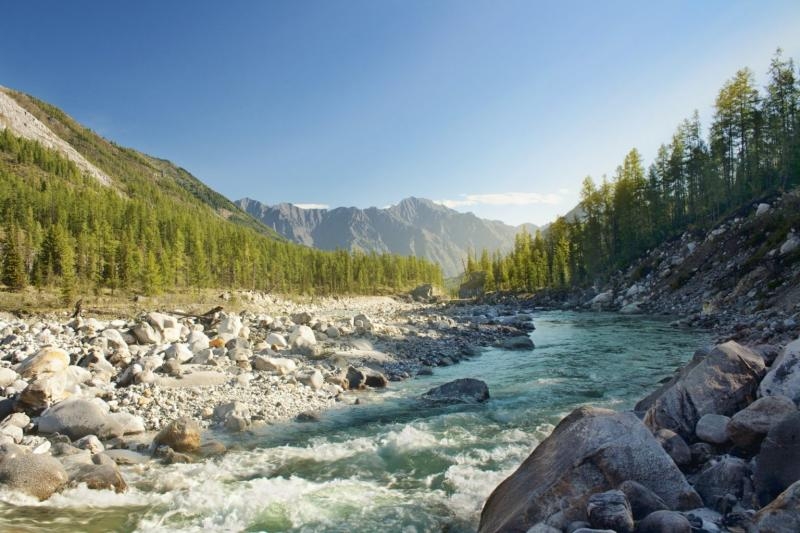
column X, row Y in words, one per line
column 60, row 229
column 752, row 149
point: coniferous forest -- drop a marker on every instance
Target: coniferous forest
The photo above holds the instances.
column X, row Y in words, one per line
column 751, row 151
column 155, row 229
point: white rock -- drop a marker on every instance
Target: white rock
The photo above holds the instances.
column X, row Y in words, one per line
column 7, row 376
column 48, row 360
column 276, row 339
column 179, row 351
column 281, row 365
column 230, row 325
column 114, row 337
column 146, row 334
column 332, row 332
column 302, row 336
column 791, row 244
column 197, row 341
column 761, row 209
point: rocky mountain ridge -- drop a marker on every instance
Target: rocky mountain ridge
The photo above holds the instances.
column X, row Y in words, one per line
column 415, row 226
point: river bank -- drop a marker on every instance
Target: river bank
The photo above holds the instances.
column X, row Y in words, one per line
column 89, row 393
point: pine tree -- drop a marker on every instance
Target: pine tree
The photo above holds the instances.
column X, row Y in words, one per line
column 14, row 275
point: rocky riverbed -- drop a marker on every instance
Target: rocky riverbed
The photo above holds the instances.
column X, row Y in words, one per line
column 83, row 394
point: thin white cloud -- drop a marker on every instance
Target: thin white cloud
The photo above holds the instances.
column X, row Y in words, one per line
column 312, row 206
column 502, row 198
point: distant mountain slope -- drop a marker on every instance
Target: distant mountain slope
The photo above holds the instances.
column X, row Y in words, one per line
column 415, row 226
column 124, row 169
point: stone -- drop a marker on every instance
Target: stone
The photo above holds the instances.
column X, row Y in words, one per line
column 333, row 332
column 423, row 293
column 712, row 428
column 115, row 338
column 591, row 449
column 520, row 342
column 664, row 522
column 466, row 390
column 230, row 325
column 146, row 334
column 91, row 443
column 302, row 336
column 721, row 478
column 723, row 382
column 761, row 209
column 749, row 426
column 311, row 379
column 783, row 379
column 702, row 452
column 363, row 323
column 642, row 500
column 39, row 475
column 48, row 360
column 302, row 318
column 172, row 367
column 7, row 377
column 675, row 446
column 77, row 418
column 374, row 379
column 277, row 340
column 197, row 341
column 105, row 476
column 180, row 352
column 47, row 390
column 790, row 245
column 782, row 515
column 281, row 365
column 778, row 462
column 632, row 308
column 182, row 435
column 610, row 510
column 356, row 379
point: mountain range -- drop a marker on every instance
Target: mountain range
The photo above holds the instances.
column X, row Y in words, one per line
column 415, row 226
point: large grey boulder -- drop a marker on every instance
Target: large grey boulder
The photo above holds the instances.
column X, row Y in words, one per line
column 675, row 446
column 664, row 522
column 643, row 501
column 712, row 428
column 465, row 390
column 782, row 515
column 723, row 382
column 784, row 376
column 48, row 360
column 720, row 478
column 749, row 426
column 778, row 462
column 591, row 450
column 77, row 418
column 39, row 475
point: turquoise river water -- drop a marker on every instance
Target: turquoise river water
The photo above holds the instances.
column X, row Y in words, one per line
column 392, row 463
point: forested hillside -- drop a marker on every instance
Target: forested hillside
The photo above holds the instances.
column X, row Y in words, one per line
column 155, row 227
column 752, row 151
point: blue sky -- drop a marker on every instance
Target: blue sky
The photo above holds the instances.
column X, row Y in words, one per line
column 497, row 107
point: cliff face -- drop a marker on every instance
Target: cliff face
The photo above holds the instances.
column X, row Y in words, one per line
column 415, row 226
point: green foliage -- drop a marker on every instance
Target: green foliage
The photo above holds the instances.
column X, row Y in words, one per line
column 753, row 150
column 63, row 229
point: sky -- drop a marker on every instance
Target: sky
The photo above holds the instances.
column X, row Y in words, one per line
column 496, row 107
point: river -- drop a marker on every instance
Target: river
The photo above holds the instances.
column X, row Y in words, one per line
column 390, row 463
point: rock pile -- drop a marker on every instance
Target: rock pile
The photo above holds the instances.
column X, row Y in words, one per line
column 717, row 448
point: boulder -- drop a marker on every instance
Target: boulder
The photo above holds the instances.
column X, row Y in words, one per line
column 726, row 476
column 234, row 416
column 146, row 334
column 782, row 515
column 664, row 522
column 277, row 340
column 633, row 308
column 180, row 352
column 363, row 323
column 723, row 382
column 610, row 510
column 105, row 476
column 591, row 450
column 303, row 318
column 311, row 379
column 77, row 418
column 356, row 378
column 675, row 446
column 791, row 244
column 602, row 300
column 48, row 360
column 302, row 336
column 423, row 293
column 7, row 377
column 182, row 435
column 761, row 209
column 642, row 500
column 749, row 426
column 281, row 365
column 39, row 475
column 520, row 342
column 778, row 462
column 712, row 428
column 783, row 379
column 333, row 332
column 374, row 379
column 466, row 390
column 49, row 389
column 230, row 326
